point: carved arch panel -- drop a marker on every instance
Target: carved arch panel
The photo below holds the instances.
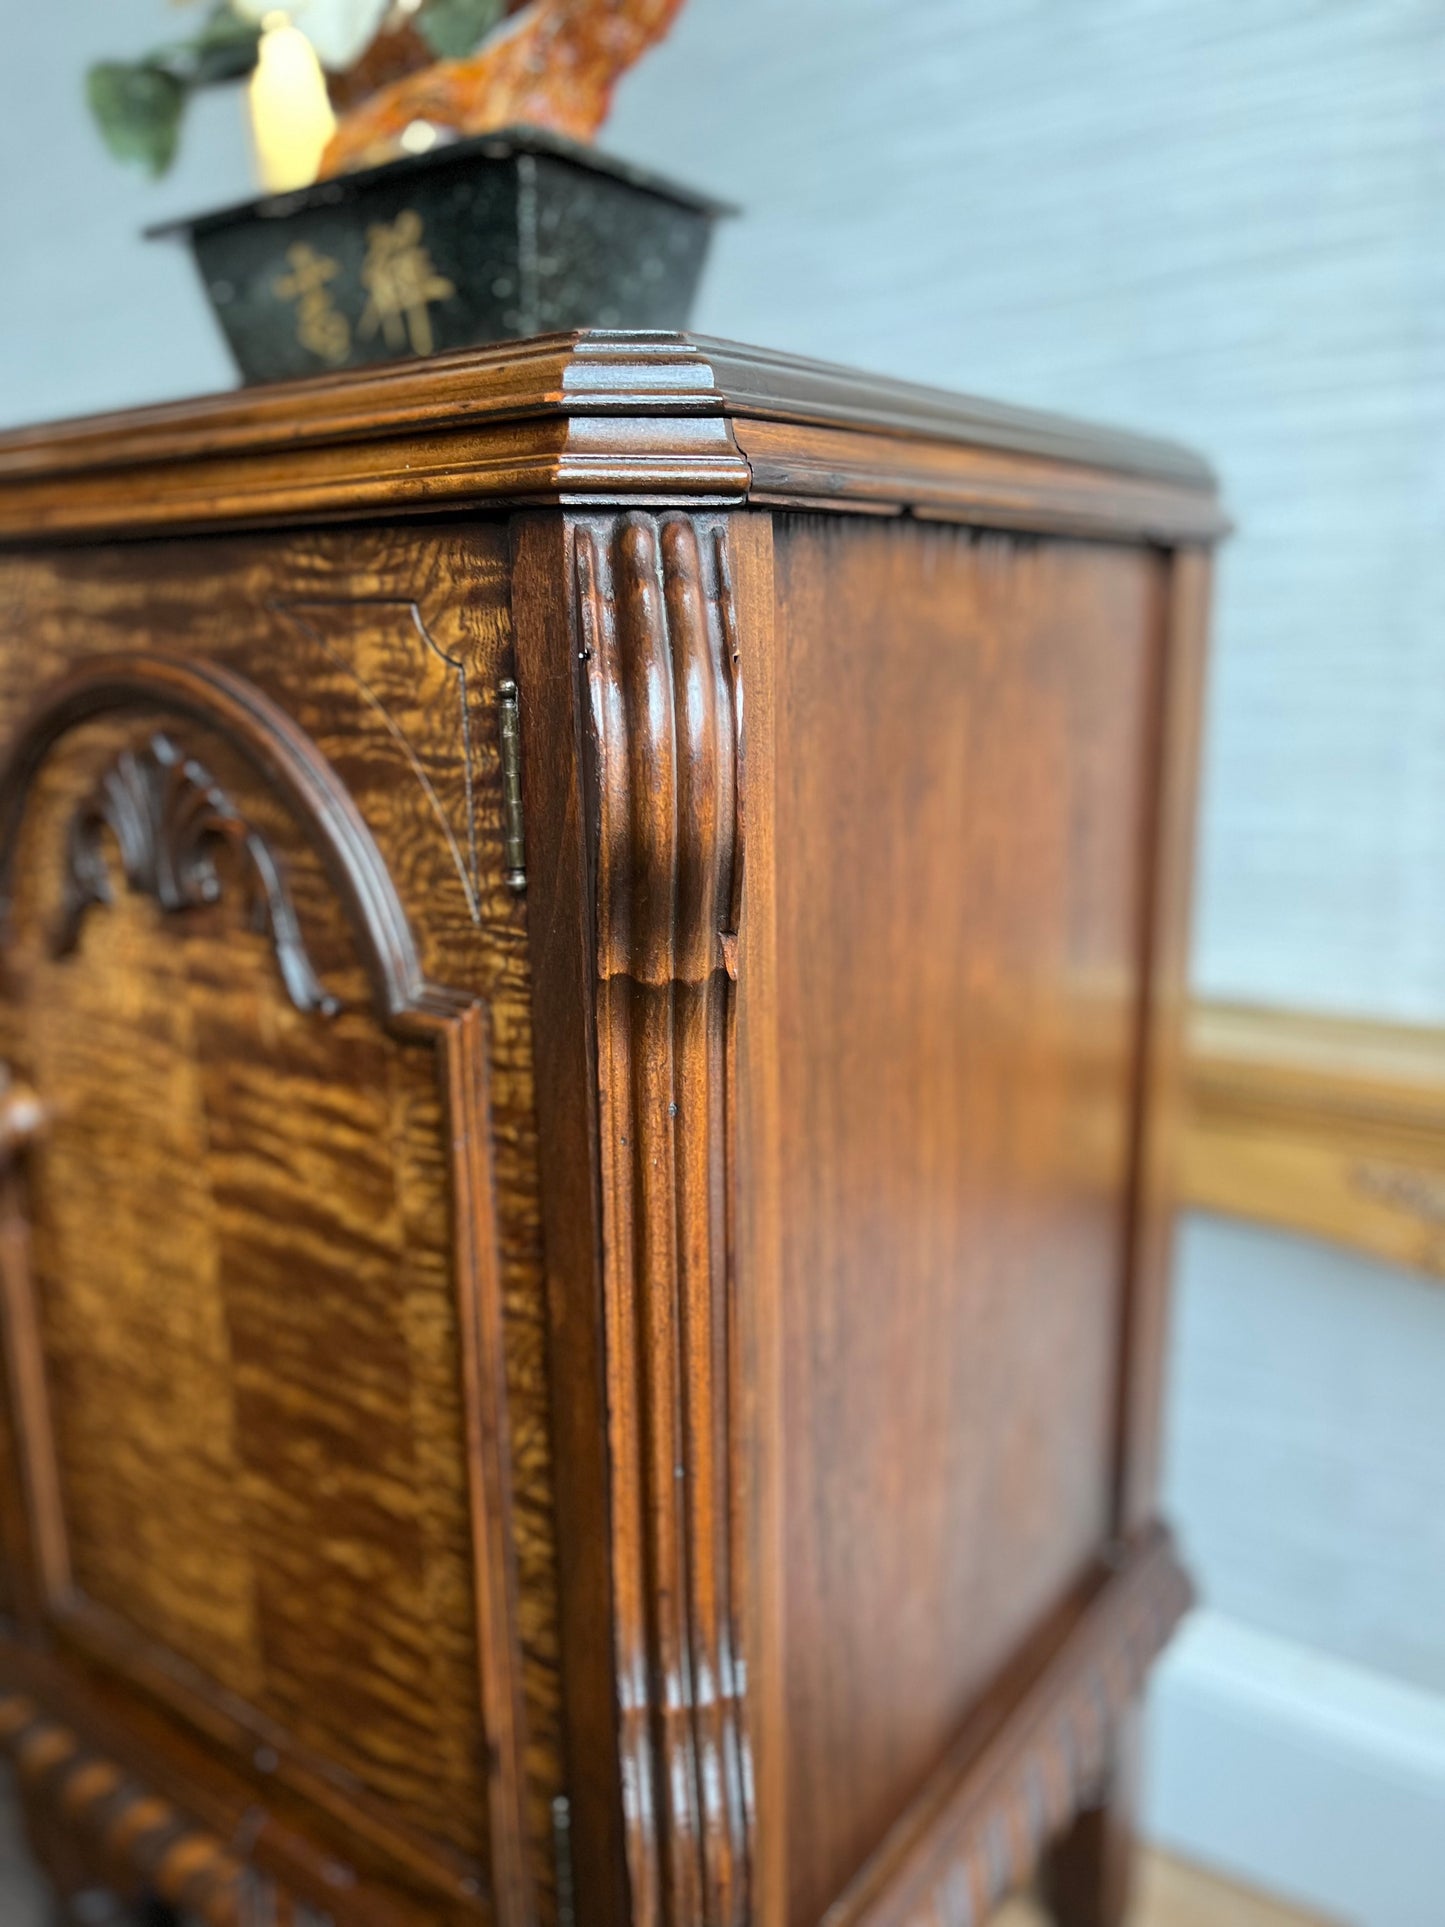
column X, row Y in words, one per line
column 264, row 1273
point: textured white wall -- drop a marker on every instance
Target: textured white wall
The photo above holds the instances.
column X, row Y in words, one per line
column 1298, row 1727
column 91, row 316
column 1307, row 1445
column 1217, row 218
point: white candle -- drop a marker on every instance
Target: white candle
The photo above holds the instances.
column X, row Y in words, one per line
column 291, row 117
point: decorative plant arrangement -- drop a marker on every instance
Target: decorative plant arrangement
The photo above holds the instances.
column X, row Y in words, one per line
column 428, row 185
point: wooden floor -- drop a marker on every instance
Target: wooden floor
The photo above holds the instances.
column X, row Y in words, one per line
column 1172, row 1894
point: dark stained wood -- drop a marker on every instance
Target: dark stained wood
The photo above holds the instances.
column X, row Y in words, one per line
column 555, row 780
column 36, row 1556
column 1087, row 1877
column 658, row 631
column 627, row 1392
column 1032, row 1761
column 592, row 417
column 204, row 1779
column 992, row 487
column 757, row 1230
column 598, row 372
column 182, row 1865
column 958, row 974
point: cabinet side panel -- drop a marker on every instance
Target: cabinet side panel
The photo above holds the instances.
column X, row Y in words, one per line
column 963, row 772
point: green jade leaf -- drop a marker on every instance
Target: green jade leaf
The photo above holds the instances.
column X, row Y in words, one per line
column 138, row 109
column 453, row 28
column 138, row 105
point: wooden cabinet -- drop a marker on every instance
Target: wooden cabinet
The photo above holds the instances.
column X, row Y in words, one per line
column 591, row 962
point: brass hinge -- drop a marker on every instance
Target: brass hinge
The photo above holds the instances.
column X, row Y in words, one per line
column 514, row 848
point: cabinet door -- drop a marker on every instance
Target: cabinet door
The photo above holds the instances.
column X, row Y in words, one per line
column 258, row 948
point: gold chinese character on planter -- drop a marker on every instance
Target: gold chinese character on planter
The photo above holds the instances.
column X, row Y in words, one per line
column 401, row 283
column 320, row 324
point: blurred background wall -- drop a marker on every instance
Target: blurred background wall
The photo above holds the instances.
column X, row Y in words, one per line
column 1222, row 220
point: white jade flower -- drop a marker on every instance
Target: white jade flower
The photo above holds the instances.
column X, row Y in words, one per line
column 339, row 30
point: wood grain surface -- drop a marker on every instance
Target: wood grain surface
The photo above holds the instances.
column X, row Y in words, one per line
column 607, row 417
column 953, row 869
column 1031, row 1775
column 244, row 1237
column 636, row 907
column 958, row 986
column 658, row 630
column 709, row 1479
column 120, row 1822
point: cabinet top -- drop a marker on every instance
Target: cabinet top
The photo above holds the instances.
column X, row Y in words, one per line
column 593, row 418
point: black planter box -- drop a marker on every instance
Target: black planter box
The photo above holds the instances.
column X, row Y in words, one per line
column 511, row 234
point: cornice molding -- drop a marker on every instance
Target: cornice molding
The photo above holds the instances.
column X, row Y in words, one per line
column 587, row 419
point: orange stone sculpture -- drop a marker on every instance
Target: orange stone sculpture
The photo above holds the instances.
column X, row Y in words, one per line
column 554, row 65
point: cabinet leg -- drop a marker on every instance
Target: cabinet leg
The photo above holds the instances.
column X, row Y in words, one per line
column 1087, row 1875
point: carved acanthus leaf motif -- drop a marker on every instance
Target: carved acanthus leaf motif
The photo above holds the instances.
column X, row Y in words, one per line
column 171, row 823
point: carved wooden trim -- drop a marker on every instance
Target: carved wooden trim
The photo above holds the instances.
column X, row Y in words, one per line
column 124, row 1827
column 169, row 817
column 978, row 1829
column 579, row 420
column 1331, row 1126
column 282, row 754
column 453, row 1026
column 657, row 632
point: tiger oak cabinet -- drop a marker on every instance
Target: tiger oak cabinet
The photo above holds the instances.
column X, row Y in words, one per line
column 591, row 969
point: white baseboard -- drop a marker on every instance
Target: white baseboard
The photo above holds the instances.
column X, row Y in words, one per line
column 1299, row 1774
